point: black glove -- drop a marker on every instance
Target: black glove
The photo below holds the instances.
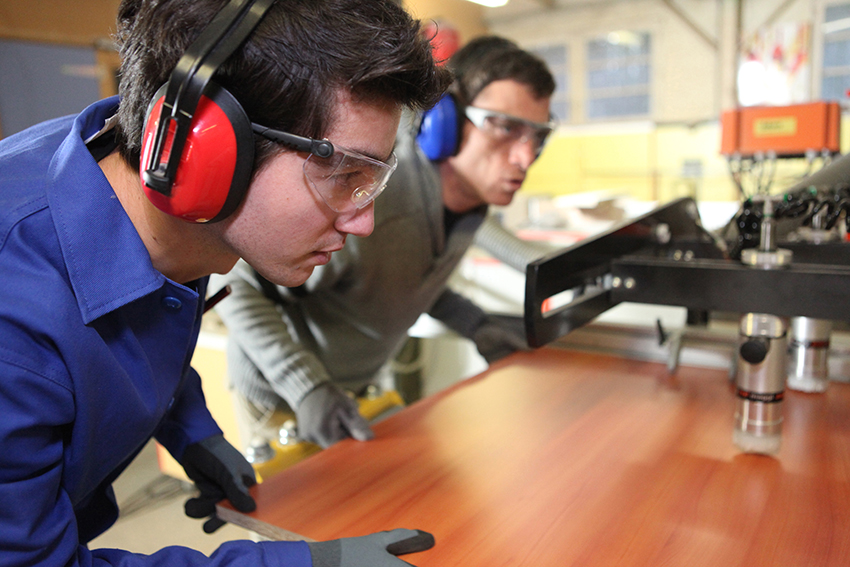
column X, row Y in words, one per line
column 500, row 335
column 326, row 415
column 219, row 471
column 374, row 550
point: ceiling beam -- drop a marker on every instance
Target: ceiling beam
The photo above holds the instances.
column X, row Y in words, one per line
column 691, row 24
column 777, row 13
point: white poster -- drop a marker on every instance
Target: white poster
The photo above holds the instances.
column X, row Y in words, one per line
column 775, row 66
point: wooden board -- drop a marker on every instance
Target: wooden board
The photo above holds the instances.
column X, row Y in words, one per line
column 558, row 458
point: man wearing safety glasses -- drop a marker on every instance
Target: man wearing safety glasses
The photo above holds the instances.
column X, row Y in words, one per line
column 113, row 220
column 300, row 349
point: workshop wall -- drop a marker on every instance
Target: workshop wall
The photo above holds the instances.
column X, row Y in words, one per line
column 673, row 149
column 668, row 152
column 75, row 37
column 72, row 22
column 77, row 23
column 683, row 65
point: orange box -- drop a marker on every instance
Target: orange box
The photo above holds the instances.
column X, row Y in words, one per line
column 789, row 131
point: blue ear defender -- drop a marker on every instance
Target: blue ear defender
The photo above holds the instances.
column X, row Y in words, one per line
column 439, row 131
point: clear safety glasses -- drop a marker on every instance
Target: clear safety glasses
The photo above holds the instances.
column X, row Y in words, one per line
column 346, row 180
column 510, row 129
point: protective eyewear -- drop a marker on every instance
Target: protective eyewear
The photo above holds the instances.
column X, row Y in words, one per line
column 346, row 180
column 510, row 129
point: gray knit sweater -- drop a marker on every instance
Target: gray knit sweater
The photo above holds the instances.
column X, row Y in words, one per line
column 358, row 308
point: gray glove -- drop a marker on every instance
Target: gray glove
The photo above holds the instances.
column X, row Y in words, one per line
column 374, row 550
column 219, row 471
column 326, row 415
column 500, row 335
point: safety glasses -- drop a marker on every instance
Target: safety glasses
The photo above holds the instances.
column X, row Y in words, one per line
column 510, row 129
column 346, row 180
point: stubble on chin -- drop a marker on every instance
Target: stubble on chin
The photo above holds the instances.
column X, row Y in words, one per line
column 290, row 277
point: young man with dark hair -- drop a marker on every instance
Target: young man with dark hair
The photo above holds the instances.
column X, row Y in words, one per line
column 105, row 251
column 301, row 348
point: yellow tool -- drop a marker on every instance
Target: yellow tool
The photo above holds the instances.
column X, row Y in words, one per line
column 280, row 454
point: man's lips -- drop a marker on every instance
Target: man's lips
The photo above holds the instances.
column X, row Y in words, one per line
column 324, row 255
column 328, row 250
column 322, row 258
column 514, row 184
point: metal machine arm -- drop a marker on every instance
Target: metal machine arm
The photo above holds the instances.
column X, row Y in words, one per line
column 666, row 257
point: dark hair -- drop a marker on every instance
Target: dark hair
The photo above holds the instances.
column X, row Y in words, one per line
column 491, row 58
column 289, row 72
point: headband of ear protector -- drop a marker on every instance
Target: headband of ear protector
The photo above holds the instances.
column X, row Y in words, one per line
column 197, row 146
column 440, row 129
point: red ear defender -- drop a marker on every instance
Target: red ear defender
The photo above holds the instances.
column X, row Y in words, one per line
column 197, row 145
column 216, row 161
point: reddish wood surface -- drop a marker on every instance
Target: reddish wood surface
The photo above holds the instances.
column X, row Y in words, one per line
column 558, row 458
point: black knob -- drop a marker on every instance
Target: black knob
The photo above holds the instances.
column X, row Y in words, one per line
column 754, row 350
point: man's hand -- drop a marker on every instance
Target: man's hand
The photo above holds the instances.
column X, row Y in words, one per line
column 326, row 415
column 498, row 336
column 374, row 550
column 219, row 471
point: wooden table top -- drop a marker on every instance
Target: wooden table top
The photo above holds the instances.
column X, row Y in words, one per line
column 559, row 458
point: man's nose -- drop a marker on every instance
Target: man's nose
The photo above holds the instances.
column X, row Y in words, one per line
column 524, row 152
column 360, row 222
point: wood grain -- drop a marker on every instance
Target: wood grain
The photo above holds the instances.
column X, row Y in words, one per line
column 558, row 458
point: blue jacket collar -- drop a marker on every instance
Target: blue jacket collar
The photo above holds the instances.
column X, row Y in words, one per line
column 108, row 264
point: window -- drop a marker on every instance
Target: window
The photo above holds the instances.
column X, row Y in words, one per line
column 836, row 52
column 618, row 75
column 556, row 58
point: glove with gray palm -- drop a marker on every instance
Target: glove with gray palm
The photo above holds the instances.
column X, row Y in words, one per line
column 374, row 550
column 327, row 415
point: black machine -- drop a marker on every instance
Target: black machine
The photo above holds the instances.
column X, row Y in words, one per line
column 785, row 269
column 666, row 257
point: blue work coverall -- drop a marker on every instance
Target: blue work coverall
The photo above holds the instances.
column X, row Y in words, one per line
column 95, row 346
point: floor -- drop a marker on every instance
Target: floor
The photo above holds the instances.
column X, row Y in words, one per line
column 152, row 514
